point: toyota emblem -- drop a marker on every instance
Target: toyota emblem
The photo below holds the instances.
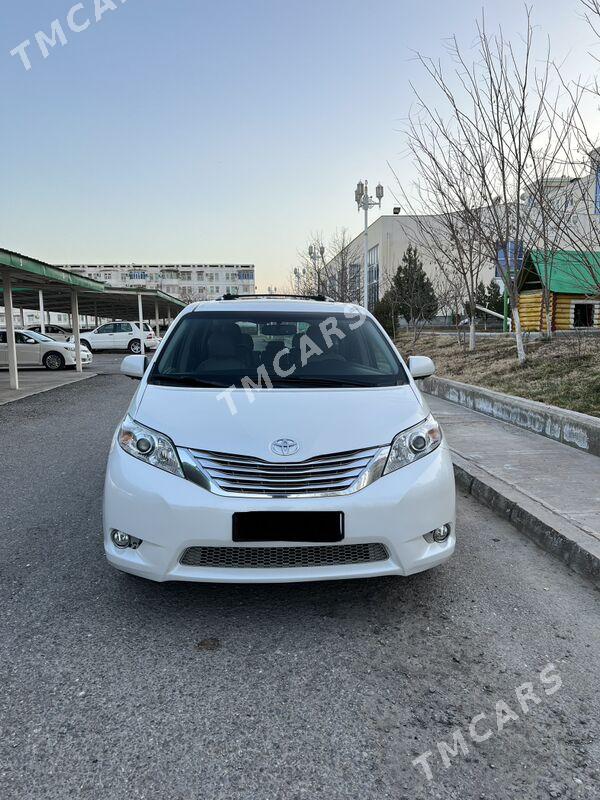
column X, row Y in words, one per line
column 285, row 447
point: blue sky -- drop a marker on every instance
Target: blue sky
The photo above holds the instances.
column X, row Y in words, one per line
column 181, row 130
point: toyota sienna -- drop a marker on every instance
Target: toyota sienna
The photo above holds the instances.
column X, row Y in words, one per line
column 277, row 439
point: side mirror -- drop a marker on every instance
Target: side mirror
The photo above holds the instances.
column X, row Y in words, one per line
column 134, row 367
column 419, row 366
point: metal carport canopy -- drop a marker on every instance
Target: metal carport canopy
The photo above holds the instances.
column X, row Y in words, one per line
column 123, row 303
column 29, row 275
column 26, row 282
column 31, row 280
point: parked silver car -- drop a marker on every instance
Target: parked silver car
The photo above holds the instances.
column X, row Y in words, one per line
column 36, row 350
column 56, row 332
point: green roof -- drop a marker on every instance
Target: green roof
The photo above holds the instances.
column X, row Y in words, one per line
column 26, row 267
column 567, row 272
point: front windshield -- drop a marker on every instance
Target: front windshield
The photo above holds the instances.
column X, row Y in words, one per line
column 277, row 348
column 40, row 337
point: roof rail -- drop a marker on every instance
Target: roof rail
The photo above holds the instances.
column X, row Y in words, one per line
column 321, row 298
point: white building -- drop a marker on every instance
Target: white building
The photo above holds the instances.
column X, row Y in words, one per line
column 389, row 237
column 188, row 282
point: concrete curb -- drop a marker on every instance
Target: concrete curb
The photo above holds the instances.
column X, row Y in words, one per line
column 568, row 427
column 576, row 547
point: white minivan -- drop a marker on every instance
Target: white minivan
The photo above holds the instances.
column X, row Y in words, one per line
column 275, row 440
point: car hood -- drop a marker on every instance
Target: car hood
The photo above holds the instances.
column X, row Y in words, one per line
column 57, row 344
column 320, row 421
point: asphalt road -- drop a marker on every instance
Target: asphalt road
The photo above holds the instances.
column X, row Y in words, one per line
column 107, row 363
column 113, row 687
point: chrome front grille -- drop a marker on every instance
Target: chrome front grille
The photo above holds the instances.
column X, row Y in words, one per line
column 284, row 557
column 327, row 474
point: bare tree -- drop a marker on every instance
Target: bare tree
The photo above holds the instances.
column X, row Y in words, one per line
column 447, row 236
column 309, row 275
column 551, row 215
column 592, row 14
column 345, row 268
column 334, row 269
column 578, row 227
column 491, row 126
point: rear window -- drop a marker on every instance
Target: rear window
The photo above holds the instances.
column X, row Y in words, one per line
column 281, row 349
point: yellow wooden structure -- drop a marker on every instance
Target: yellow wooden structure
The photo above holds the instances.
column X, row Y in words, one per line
column 573, row 281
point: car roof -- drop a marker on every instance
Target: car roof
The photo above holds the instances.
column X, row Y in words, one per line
column 323, row 307
column 19, row 330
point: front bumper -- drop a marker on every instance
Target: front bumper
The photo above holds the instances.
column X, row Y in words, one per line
column 171, row 514
column 70, row 360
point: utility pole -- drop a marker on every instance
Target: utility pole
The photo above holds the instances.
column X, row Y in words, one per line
column 366, row 203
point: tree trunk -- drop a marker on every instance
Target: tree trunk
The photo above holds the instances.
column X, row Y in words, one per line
column 519, row 335
column 457, row 325
column 548, row 323
column 472, row 334
column 546, row 300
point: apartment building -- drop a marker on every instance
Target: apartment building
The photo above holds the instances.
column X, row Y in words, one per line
column 188, row 282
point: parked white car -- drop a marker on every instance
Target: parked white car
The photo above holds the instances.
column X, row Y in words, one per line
column 36, row 350
column 302, row 451
column 120, row 336
column 55, row 332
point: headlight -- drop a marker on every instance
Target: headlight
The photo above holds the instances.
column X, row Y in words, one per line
column 412, row 444
column 150, row 446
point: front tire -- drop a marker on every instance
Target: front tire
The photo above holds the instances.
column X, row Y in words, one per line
column 135, row 347
column 53, row 361
column 85, row 343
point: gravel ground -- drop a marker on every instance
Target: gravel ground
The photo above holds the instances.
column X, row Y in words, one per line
column 113, row 687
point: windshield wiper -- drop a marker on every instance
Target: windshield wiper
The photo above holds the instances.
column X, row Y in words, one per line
column 186, row 380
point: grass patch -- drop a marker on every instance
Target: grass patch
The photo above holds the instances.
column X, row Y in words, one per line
column 564, row 372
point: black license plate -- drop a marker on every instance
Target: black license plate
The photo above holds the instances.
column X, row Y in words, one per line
column 288, row 526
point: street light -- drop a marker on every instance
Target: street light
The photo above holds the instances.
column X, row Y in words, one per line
column 366, row 203
column 299, row 274
column 314, row 253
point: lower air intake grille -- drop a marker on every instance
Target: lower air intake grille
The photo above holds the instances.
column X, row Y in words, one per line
column 283, row 557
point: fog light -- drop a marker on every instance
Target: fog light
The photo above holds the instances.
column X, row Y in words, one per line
column 124, row 540
column 120, row 539
column 441, row 534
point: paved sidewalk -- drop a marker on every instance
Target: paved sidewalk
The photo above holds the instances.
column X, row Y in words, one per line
column 531, row 479
column 34, row 381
